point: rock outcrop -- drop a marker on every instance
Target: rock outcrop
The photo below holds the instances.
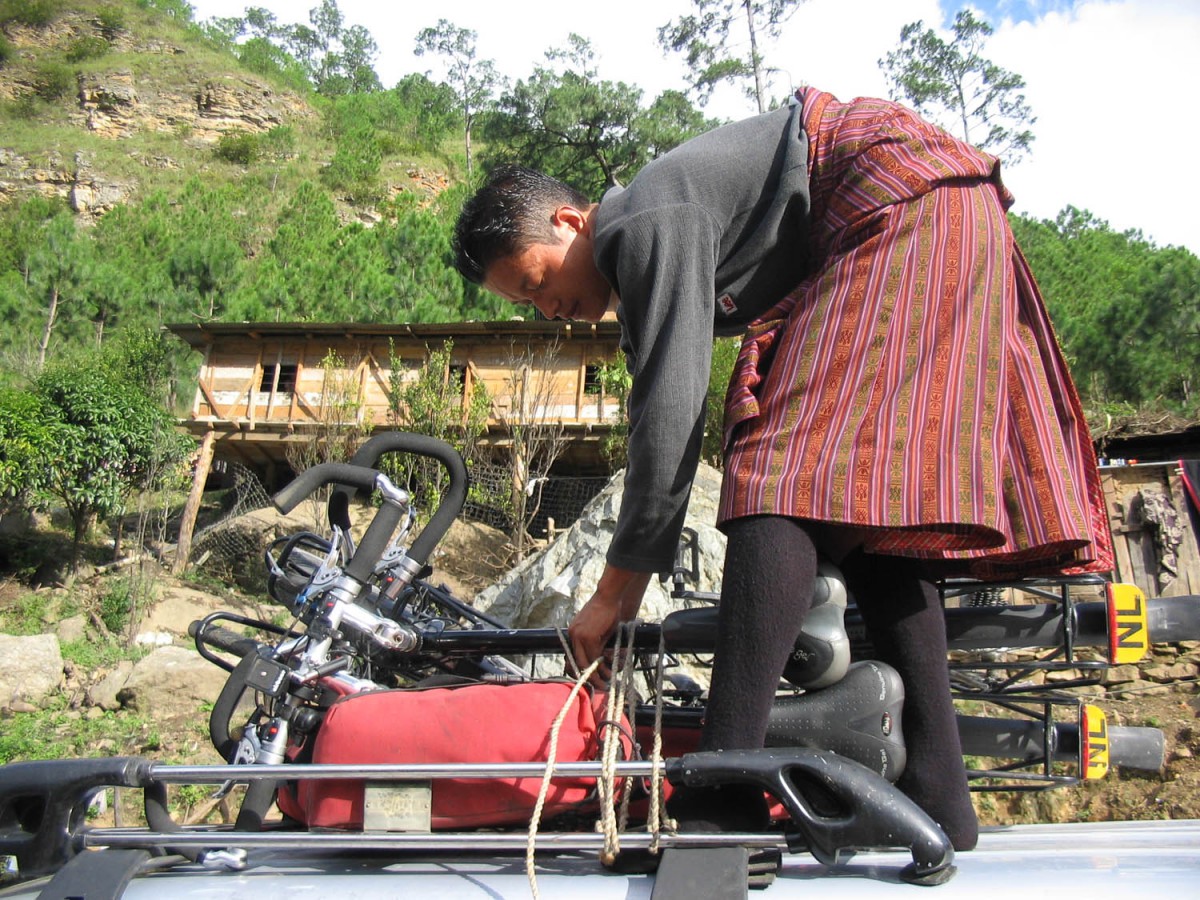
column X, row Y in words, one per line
column 546, row 589
column 31, row 670
column 196, row 104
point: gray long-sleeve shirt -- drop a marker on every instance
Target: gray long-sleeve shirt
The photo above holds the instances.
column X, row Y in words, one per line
column 701, row 242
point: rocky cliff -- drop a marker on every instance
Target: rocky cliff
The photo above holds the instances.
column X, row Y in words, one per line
column 141, row 85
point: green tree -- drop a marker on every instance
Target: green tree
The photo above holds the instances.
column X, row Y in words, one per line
column 473, row 80
column 567, row 122
column 424, row 287
column 142, row 356
column 25, row 440
column 955, row 85
column 354, row 169
column 209, row 231
column 108, row 440
column 1124, row 309
column 57, row 269
column 338, row 60
column 713, row 53
column 669, row 121
column 131, row 283
column 431, row 107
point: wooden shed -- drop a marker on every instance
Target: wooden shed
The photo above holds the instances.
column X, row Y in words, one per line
column 1152, row 528
column 260, row 385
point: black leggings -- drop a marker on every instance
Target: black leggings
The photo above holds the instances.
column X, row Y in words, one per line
column 770, row 575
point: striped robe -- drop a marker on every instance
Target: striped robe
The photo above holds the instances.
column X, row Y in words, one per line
column 912, row 386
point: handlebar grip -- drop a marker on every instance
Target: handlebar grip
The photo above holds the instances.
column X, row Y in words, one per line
column 223, row 639
column 325, row 473
column 456, row 495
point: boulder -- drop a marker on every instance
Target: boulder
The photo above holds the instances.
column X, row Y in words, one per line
column 31, row 668
column 171, row 678
column 546, row 589
column 103, row 694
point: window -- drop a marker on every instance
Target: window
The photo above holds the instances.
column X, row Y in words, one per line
column 286, row 374
column 591, row 381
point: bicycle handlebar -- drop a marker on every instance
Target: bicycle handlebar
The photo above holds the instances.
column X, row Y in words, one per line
column 375, row 541
column 456, row 494
column 320, row 475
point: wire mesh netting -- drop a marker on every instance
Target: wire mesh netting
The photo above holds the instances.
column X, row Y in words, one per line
column 232, row 547
column 560, row 499
column 224, row 547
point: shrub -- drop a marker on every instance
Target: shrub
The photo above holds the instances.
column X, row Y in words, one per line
column 115, row 607
column 279, row 142
column 37, row 13
column 6, row 50
column 52, row 81
column 89, row 46
column 242, row 149
column 111, row 22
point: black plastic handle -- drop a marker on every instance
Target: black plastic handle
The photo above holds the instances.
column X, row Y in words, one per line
column 43, row 806
column 318, row 476
column 870, row 814
column 422, row 445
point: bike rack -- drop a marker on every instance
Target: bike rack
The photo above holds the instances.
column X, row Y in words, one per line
column 1062, row 658
column 1036, row 771
column 43, row 809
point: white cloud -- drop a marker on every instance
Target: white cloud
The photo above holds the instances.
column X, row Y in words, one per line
column 1108, row 85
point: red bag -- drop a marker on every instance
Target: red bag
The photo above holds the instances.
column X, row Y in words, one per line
column 479, row 723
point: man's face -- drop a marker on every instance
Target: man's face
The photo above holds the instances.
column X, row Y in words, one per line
column 559, row 278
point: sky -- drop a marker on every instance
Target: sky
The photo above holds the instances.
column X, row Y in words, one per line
column 1106, row 79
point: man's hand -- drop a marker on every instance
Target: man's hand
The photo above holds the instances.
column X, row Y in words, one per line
column 617, row 599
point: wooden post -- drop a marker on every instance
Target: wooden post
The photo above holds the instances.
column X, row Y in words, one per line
column 188, row 525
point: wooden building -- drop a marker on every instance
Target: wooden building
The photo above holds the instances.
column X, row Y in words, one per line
column 261, row 385
column 1153, row 534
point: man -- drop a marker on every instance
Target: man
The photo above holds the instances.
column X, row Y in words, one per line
column 899, row 402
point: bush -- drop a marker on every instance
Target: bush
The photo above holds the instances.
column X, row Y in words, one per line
column 37, row 13
column 279, row 142
column 242, row 149
column 52, row 81
column 115, row 607
column 6, row 50
column 87, row 47
column 111, row 22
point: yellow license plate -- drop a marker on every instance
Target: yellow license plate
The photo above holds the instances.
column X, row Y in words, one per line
column 1128, row 629
column 1093, row 742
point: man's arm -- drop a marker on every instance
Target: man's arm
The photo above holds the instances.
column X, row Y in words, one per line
column 663, row 268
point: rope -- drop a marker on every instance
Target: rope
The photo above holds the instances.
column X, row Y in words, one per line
column 572, row 664
column 654, row 817
column 608, row 756
column 536, row 818
column 611, row 823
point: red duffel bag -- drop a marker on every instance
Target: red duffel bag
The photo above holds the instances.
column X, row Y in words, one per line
column 477, row 723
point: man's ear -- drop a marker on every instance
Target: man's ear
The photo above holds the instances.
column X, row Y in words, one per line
column 569, row 216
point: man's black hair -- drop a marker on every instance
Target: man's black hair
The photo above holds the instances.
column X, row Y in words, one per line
column 509, row 213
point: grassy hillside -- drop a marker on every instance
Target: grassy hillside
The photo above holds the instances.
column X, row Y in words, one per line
column 147, row 99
